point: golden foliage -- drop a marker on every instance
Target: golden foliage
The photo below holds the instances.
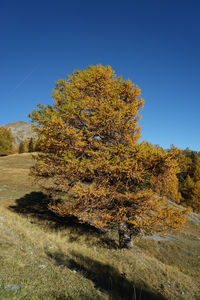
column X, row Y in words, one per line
column 89, row 143
column 195, row 199
column 189, row 177
column 6, row 141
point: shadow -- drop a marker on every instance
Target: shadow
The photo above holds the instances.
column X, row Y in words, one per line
column 105, row 277
column 36, row 206
column 56, row 296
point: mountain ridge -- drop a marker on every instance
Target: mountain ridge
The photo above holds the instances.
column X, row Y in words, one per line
column 21, row 131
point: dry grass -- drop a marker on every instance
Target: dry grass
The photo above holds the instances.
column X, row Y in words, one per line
column 67, row 260
column 25, row 260
column 14, row 178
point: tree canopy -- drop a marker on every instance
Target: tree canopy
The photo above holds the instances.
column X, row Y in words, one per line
column 6, row 141
column 189, row 178
column 90, row 151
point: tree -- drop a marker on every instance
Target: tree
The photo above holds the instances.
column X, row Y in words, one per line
column 196, row 175
column 21, row 147
column 188, row 187
column 189, row 177
column 6, row 141
column 30, row 145
column 89, row 139
column 195, row 198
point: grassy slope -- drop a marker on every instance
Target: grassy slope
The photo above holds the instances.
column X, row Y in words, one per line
column 56, row 260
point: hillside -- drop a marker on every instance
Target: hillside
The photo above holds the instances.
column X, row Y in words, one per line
column 43, row 256
column 21, row 131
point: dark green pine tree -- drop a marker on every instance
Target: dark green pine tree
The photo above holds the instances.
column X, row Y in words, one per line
column 21, row 147
column 30, row 145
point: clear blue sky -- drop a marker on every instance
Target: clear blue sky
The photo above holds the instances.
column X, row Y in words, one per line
column 154, row 43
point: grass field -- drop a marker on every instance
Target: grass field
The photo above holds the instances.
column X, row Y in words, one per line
column 47, row 257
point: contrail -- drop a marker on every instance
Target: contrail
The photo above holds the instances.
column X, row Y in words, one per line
column 24, row 79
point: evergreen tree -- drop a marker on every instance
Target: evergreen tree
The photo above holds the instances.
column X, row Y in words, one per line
column 195, row 198
column 30, row 145
column 21, row 147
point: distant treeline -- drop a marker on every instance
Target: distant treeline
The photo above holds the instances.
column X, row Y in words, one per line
column 7, row 143
column 189, row 177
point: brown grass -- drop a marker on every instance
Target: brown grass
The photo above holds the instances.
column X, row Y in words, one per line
column 56, row 258
column 14, row 178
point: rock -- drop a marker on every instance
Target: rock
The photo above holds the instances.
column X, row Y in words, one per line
column 21, row 131
column 160, row 238
column 194, row 218
column 14, row 287
column 42, row 266
column 73, row 271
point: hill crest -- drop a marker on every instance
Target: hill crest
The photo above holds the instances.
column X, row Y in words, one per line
column 21, row 131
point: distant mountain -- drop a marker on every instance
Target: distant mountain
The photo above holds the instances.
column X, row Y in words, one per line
column 21, row 131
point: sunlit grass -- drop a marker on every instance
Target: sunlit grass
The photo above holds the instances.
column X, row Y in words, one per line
column 71, row 261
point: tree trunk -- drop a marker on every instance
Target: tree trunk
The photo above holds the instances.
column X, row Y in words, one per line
column 125, row 236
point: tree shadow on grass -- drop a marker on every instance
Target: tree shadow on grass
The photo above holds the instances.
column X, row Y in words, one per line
column 105, row 277
column 36, row 206
column 57, row 296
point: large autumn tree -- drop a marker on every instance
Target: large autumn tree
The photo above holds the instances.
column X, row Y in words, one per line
column 90, row 151
column 6, row 141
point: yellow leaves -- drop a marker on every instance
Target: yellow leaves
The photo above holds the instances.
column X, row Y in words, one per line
column 6, row 140
column 196, row 175
column 188, row 184
column 99, row 223
column 89, row 143
column 189, row 176
column 195, row 198
column 121, row 214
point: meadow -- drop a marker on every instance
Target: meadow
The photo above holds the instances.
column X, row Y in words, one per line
column 43, row 256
